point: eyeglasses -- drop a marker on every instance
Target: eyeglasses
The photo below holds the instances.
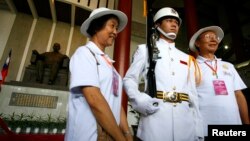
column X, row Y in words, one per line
column 211, row 37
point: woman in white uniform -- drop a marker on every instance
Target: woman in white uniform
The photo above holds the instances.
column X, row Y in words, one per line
column 95, row 86
column 220, row 96
column 176, row 118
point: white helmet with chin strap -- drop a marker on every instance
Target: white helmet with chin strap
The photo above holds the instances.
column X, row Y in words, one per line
column 167, row 12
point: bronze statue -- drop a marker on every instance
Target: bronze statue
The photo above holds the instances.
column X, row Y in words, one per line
column 52, row 60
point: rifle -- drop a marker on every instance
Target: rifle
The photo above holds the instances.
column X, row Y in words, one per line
column 152, row 50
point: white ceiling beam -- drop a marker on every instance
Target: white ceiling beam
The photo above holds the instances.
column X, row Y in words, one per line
column 33, row 9
column 53, row 10
column 11, row 6
column 73, row 13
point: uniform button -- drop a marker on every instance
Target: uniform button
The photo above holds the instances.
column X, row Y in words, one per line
column 173, row 73
column 172, row 59
column 169, row 48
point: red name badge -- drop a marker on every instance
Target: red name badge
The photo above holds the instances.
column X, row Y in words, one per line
column 220, row 87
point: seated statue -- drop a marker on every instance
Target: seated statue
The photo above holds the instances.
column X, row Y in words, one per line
column 52, row 60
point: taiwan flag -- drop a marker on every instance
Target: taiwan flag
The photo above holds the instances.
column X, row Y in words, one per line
column 5, row 68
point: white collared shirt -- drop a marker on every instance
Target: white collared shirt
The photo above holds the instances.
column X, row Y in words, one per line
column 84, row 71
column 219, row 109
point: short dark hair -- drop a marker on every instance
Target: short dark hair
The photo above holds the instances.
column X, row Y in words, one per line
column 97, row 24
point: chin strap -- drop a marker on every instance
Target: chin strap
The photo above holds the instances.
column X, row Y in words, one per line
column 170, row 35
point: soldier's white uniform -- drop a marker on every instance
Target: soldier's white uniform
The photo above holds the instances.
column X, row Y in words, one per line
column 219, row 108
column 81, row 125
column 174, row 72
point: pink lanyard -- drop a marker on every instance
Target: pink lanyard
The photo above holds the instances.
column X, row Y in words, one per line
column 107, row 61
column 214, row 69
column 115, row 79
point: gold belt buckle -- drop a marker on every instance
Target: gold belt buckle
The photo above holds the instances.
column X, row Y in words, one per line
column 171, row 96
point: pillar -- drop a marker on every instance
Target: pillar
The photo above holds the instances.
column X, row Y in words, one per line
column 191, row 19
column 122, row 46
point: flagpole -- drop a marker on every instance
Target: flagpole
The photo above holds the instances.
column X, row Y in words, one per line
column 5, row 68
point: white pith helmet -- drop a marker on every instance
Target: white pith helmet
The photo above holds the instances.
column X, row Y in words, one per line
column 216, row 29
column 167, row 12
column 102, row 11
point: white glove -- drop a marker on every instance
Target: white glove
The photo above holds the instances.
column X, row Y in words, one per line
column 152, row 106
column 148, row 106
